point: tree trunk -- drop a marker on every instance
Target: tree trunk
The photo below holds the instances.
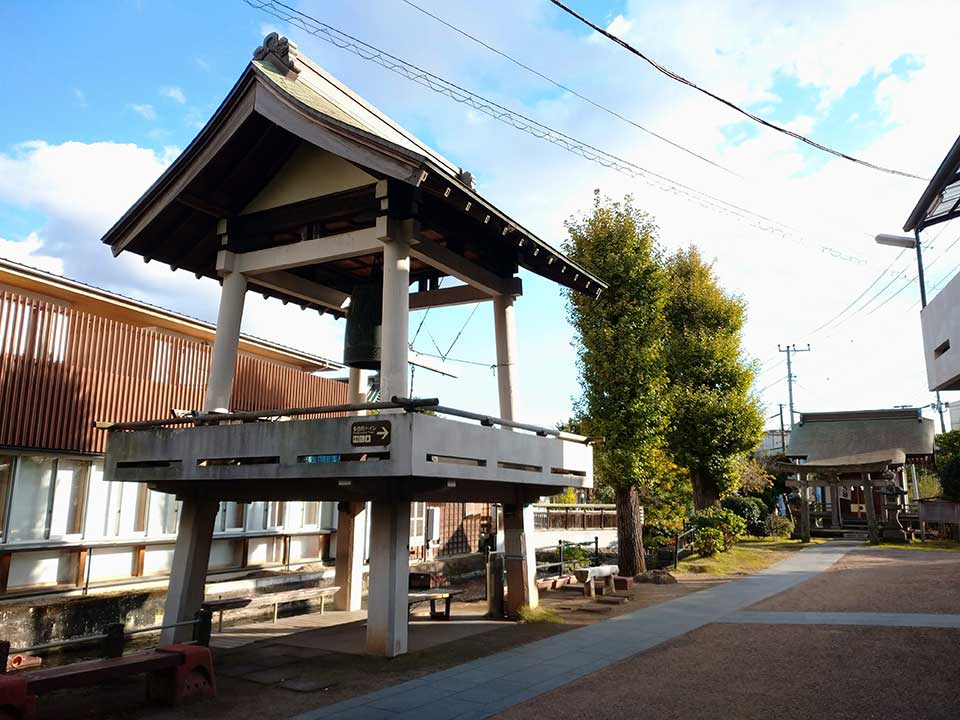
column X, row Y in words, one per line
column 629, row 532
column 705, row 491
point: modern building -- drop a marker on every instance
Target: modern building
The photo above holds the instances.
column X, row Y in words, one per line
column 940, row 321
column 72, row 355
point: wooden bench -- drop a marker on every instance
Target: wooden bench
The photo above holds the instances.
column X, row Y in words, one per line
column 174, row 672
column 431, row 596
column 276, row 599
column 589, row 575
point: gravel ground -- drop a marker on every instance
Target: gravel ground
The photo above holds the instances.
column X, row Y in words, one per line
column 762, row 671
column 866, row 580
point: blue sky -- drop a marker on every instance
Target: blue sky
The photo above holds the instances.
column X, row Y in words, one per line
column 100, row 96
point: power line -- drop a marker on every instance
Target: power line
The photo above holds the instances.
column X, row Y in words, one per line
column 462, row 328
column 566, row 88
column 532, row 127
column 756, row 118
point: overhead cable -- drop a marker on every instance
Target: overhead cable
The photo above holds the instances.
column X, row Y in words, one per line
column 567, row 88
column 532, row 127
column 756, row 118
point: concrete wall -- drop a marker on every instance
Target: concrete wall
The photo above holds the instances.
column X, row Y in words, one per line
column 940, row 321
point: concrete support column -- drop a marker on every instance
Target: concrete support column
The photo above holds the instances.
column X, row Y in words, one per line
column 351, row 527
column 389, row 578
column 505, row 327
column 520, row 558
column 223, row 360
column 356, row 388
column 191, row 554
column 394, row 340
column 189, row 571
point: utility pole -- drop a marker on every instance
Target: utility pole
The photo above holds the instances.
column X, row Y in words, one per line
column 783, row 436
column 790, row 378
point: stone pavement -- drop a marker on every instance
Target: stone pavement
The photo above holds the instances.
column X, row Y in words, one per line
column 482, row 688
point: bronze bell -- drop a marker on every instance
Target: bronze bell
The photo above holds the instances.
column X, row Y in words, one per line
column 361, row 341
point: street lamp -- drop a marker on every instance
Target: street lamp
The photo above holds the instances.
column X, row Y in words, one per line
column 908, row 243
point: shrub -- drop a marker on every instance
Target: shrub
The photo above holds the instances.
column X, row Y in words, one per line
column 751, row 509
column 708, row 541
column 656, row 536
column 950, row 479
column 779, row 526
column 732, row 526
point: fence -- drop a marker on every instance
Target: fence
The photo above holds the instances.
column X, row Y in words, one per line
column 550, row 516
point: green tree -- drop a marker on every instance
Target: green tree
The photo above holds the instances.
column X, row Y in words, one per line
column 714, row 417
column 619, row 339
column 948, row 447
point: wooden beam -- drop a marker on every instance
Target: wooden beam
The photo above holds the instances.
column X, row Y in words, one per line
column 444, row 297
column 459, row 267
column 309, row 252
column 299, row 287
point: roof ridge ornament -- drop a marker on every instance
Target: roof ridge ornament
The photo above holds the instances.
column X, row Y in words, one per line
column 281, row 52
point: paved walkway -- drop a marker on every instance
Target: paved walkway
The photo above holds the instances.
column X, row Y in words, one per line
column 485, row 687
column 880, row 619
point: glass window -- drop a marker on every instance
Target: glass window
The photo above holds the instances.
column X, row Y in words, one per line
column 163, row 513
column 6, row 479
column 311, row 514
column 231, row 516
column 274, row 514
column 418, row 517
column 69, row 497
column 31, row 496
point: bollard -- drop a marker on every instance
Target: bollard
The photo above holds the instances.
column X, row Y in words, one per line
column 113, row 644
column 495, row 603
column 560, row 554
column 596, row 550
column 203, row 627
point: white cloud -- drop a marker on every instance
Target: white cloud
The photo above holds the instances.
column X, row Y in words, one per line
column 80, row 97
column 172, row 92
column 145, row 110
column 27, row 252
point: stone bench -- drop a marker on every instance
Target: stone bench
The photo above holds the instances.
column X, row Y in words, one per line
column 431, row 596
column 276, row 599
column 589, row 575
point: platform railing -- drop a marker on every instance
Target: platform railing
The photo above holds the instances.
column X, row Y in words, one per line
column 395, row 403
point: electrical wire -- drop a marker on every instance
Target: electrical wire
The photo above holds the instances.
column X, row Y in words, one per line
column 756, row 118
column 462, row 328
column 532, row 127
column 566, row 88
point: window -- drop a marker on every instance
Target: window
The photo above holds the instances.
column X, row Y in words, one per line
column 418, row 517
column 163, row 513
column 273, row 515
column 69, row 497
column 231, row 516
column 31, row 498
column 311, row 514
column 6, row 480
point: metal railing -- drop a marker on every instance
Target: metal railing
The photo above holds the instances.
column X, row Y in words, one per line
column 395, row 403
column 556, row 516
column 113, row 638
column 561, row 561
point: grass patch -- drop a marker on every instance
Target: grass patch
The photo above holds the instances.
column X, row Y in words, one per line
column 539, row 614
column 748, row 556
column 928, row 546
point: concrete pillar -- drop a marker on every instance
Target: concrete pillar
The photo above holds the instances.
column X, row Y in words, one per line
column 394, row 340
column 389, row 578
column 191, row 553
column 835, row 504
column 351, row 526
column 390, row 519
column 520, row 558
column 189, row 571
column 223, row 360
column 505, row 327
column 519, row 555
column 356, row 389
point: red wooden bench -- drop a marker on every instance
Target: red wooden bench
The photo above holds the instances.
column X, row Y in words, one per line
column 174, row 672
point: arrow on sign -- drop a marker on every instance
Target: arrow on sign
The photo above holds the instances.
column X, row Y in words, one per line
column 383, row 432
